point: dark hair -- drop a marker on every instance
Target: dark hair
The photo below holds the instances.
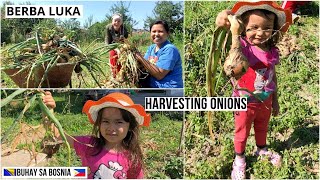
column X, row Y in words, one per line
column 130, row 142
column 277, row 34
column 164, row 24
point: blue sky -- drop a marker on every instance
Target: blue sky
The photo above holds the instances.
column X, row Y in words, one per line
column 139, row 10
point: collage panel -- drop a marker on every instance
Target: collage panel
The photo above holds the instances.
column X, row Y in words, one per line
column 108, row 131
column 87, row 119
column 223, row 63
column 90, row 116
column 111, row 45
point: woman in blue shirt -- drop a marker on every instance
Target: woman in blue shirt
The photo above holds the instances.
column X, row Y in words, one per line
column 162, row 59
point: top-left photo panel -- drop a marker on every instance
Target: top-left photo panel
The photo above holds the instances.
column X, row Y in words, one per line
column 92, row 44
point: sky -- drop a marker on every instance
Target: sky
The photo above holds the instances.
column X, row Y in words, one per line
column 139, row 10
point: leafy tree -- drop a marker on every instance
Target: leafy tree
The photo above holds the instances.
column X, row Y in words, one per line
column 170, row 12
column 16, row 30
column 88, row 22
column 71, row 28
column 123, row 9
column 71, row 24
column 97, row 31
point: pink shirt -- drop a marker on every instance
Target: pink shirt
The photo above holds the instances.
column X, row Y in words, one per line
column 105, row 165
column 260, row 74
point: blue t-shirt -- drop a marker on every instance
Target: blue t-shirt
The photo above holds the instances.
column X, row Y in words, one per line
column 167, row 58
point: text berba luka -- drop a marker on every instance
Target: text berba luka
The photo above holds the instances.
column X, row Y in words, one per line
column 44, row 11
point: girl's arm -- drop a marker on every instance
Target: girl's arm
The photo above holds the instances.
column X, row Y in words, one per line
column 59, row 138
column 108, row 36
column 275, row 103
column 155, row 71
column 51, row 104
column 236, row 29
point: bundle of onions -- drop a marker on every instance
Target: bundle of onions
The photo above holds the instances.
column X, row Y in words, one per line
column 46, row 51
column 130, row 72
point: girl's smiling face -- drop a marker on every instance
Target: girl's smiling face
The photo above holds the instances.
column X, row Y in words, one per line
column 113, row 127
column 116, row 23
column 158, row 34
column 259, row 28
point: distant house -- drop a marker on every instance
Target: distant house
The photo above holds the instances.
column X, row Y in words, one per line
column 138, row 31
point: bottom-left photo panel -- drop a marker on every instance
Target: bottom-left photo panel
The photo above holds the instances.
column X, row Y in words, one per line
column 99, row 134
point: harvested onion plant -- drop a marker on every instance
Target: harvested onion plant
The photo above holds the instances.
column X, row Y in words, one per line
column 92, row 60
column 49, row 48
column 220, row 45
column 130, row 72
column 49, row 143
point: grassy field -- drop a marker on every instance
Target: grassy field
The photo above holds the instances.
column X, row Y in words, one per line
column 294, row 133
column 160, row 142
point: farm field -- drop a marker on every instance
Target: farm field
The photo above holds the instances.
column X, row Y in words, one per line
column 91, row 78
column 84, row 79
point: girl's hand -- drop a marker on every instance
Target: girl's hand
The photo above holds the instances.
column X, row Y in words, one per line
column 275, row 108
column 118, row 51
column 222, row 19
column 48, row 100
column 235, row 25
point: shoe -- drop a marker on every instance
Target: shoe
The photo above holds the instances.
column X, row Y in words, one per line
column 238, row 171
column 273, row 157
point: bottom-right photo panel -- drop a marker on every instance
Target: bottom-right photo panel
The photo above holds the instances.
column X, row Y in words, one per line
column 268, row 53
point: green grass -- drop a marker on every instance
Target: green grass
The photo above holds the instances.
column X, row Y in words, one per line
column 161, row 148
column 160, row 141
column 294, row 133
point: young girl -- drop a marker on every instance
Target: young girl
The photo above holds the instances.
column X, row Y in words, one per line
column 256, row 39
column 115, row 32
column 112, row 151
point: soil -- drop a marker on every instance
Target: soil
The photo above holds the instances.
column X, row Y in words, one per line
column 23, row 158
column 28, row 135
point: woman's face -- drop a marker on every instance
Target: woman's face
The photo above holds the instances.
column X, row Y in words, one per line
column 158, row 34
column 113, row 127
column 116, row 23
column 259, row 28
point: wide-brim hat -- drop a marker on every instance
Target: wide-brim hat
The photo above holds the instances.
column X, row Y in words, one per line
column 116, row 100
column 284, row 15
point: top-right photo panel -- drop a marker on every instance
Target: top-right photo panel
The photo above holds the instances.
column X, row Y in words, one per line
column 265, row 51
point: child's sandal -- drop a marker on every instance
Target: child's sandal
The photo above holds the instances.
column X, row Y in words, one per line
column 238, row 172
column 273, row 157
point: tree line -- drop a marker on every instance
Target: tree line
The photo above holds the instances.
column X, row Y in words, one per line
column 17, row 30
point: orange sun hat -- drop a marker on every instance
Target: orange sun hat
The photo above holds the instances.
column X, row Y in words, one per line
column 116, row 100
column 284, row 15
